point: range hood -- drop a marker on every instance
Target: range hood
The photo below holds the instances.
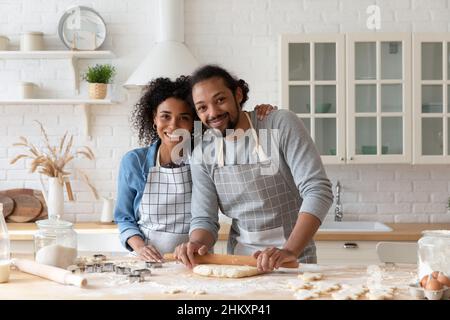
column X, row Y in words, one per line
column 170, row 57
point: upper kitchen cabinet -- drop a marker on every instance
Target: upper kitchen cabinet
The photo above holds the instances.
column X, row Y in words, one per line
column 378, row 98
column 312, row 86
column 431, row 98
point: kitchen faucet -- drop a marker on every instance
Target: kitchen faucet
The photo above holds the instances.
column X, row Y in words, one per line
column 338, row 213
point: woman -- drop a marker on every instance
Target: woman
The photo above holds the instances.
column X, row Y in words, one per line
column 154, row 183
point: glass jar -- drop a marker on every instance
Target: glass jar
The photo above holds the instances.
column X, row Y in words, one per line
column 55, row 243
column 434, row 252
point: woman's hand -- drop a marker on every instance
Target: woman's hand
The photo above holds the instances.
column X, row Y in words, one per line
column 146, row 252
column 149, row 253
column 263, row 110
column 272, row 258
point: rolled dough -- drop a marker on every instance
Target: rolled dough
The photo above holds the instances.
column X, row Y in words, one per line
column 226, row 271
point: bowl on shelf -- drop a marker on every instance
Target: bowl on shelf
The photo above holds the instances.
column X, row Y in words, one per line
column 320, row 107
column 373, row 149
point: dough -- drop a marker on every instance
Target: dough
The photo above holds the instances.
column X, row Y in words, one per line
column 326, row 287
column 56, row 255
column 349, row 293
column 225, row 271
column 299, row 284
column 305, row 294
column 308, row 276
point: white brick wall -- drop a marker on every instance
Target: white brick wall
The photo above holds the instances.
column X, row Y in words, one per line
column 241, row 35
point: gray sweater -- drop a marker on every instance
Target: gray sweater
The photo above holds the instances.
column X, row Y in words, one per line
column 299, row 163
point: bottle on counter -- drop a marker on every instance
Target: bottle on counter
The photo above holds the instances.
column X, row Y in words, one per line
column 5, row 253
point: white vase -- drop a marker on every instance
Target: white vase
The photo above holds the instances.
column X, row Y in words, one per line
column 55, row 199
column 107, row 210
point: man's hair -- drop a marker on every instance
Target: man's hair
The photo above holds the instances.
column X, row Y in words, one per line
column 212, row 71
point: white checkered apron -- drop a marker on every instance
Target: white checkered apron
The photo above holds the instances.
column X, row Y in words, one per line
column 165, row 209
column 263, row 210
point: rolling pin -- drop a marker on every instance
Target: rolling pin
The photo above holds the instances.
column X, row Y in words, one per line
column 50, row 272
column 210, row 258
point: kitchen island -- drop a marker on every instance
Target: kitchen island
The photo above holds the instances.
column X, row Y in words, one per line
column 174, row 281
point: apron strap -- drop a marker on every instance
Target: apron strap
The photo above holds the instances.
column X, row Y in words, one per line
column 256, row 150
column 158, row 163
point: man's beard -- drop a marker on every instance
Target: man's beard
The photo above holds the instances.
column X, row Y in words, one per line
column 231, row 124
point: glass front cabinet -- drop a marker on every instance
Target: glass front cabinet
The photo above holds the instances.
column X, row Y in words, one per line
column 431, row 98
column 313, row 87
column 379, row 104
column 353, row 93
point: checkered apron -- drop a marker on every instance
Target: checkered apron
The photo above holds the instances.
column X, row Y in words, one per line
column 263, row 209
column 165, row 210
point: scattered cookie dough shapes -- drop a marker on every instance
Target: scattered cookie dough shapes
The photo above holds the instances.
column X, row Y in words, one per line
column 308, row 276
column 225, row 271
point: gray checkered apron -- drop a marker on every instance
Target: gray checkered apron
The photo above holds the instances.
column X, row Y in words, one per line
column 263, row 210
column 165, row 210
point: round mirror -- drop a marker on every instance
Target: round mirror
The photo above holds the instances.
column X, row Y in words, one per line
column 82, row 28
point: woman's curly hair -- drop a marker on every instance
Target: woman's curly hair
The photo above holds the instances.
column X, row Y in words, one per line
column 156, row 92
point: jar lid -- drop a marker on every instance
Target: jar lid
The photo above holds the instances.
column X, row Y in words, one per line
column 59, row 224
column 439, row 233
column 33, row 33
column 23, row 83
column 4, row 37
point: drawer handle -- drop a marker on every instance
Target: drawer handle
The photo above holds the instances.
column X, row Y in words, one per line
column 350, row 245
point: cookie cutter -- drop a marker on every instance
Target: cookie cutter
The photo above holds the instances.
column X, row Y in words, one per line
column 134, row 278
column 89, row 268
column 143, row 273
column 123, row 270
column 108, row 267
column 153, row 264
column 99, row 257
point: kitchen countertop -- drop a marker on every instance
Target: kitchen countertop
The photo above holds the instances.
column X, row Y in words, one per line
column 401, row 231
column 164, row 283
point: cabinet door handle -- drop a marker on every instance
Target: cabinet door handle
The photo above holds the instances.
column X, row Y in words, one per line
column 350, row 245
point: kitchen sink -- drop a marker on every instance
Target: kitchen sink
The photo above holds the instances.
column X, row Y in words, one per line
column 354, row 226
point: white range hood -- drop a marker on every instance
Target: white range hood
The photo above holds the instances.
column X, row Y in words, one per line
column 170, row 57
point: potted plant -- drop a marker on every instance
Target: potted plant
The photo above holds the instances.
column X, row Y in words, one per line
column 98, row 77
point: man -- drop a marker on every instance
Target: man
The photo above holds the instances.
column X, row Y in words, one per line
column 275, row 213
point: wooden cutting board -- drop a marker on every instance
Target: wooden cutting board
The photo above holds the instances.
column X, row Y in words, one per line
column 31, row 192
column 8, row 205
column 27, row 208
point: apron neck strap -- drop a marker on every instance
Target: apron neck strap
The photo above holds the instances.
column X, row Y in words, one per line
column 258, row 149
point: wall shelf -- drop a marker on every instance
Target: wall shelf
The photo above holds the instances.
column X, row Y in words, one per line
column 83, row 104
column 74, row 56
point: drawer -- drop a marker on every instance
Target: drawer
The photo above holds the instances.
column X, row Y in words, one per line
column 347, row 252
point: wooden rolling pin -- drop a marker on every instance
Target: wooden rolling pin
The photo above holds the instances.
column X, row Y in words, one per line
column 50, row 272
column 228, row 259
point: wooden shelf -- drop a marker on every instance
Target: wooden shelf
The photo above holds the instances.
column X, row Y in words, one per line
column 57, row 101
column 73, row 56
column 83, row 104
column 56, row 54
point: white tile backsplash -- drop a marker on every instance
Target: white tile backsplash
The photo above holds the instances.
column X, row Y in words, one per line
column 241, row 35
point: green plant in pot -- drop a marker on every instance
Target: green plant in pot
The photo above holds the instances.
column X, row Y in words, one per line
column 98, row 77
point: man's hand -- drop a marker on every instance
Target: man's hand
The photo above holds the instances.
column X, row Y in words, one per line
column 149, row 253
column 185, row 252
column 272, row 258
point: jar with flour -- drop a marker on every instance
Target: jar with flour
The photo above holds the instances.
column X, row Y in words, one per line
column 55, row 243
column 434, row 252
